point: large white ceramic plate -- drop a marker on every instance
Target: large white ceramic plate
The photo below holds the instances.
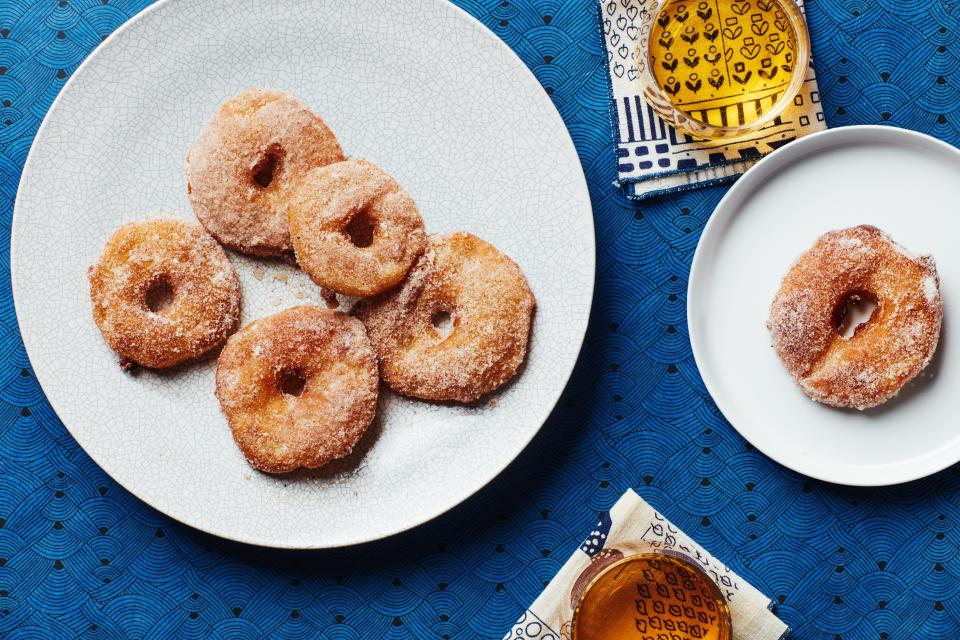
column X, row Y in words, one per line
column 904, row 182
column 420, row 88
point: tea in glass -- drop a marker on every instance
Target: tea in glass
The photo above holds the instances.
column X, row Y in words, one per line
column 724, row 68
column 652, row 596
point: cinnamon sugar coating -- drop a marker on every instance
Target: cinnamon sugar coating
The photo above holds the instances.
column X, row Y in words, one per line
column 483, row 305
column 885, row 352
column 278, row 429
column 204, row 292
column 355, row 230
column 243, row 164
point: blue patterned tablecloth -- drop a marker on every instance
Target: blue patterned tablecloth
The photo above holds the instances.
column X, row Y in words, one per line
column 81, row 558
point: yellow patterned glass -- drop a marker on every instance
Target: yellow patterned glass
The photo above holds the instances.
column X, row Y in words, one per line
column 723, row 68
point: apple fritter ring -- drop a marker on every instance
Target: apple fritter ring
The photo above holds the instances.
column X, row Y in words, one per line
column 355, row 230
column 457, row 328
column 898, row 340
column 164, row 292
column 243, row 164
column 298, row 388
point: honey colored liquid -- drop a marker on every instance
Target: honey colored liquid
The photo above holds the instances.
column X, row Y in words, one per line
column 723, row 62
column 655, row 598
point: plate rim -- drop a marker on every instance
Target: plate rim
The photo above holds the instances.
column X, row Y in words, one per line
column 548, row 407
column 905, row 471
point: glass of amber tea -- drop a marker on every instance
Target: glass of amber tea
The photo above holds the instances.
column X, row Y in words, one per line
column 650, row 596
column 722, row 68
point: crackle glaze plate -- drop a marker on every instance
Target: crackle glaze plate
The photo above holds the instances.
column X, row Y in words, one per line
column 903, row 182
column 422, row 89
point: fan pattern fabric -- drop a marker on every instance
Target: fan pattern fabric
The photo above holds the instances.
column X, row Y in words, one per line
column 81, row 558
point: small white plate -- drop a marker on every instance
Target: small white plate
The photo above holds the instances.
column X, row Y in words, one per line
column 907, row 184
column 420, row 88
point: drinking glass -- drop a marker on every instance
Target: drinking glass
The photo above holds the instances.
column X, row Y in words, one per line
column 721, row 68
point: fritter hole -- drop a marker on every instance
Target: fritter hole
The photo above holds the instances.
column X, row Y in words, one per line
column 292, row 383
column 853, row 311
column 442, row 321
column 159, row 296
column 267, row 168
column 360, row 230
